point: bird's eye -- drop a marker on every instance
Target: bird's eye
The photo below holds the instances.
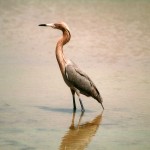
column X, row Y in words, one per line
column 54, row 26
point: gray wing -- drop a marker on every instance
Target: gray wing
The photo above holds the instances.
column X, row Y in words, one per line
column 81, row 81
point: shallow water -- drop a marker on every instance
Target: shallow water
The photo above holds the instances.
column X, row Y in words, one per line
column 110, row 42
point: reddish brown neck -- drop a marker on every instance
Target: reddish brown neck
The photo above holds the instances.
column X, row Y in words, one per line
column 59, row 49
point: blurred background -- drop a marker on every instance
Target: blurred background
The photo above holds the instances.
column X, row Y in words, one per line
column 110, row 42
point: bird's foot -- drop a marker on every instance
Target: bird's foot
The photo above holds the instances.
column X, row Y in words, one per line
column 82, row 110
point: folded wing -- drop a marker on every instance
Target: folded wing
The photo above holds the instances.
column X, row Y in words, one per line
column 80, row 80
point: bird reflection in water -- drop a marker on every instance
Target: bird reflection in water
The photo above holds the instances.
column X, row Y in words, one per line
column 79, row 136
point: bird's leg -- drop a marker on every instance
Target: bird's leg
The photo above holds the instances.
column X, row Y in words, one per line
column 82, row 107
column 74, row 102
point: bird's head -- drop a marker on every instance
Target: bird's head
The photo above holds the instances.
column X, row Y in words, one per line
column 61, row 26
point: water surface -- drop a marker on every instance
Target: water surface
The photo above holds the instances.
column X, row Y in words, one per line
column 110, row 42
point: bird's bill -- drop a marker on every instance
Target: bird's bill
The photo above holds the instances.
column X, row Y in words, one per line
column 48, row 25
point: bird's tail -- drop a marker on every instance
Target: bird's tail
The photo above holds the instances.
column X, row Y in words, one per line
column 100, row 100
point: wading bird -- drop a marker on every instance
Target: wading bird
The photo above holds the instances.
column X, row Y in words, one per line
column 76, row 79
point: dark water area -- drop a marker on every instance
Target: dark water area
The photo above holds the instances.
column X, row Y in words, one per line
column 110, row 42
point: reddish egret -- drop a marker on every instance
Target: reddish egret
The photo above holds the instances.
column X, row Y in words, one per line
column 76, row 79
